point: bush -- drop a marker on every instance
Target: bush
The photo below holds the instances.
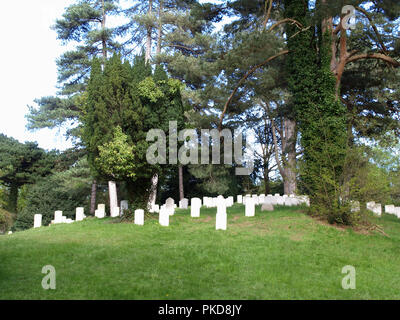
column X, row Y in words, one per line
column 6, row 221
column 360, row 180
column 64, row 191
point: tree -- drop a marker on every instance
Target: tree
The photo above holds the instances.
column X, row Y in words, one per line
column 136, row 101
column 64, row 190
column 21, row 164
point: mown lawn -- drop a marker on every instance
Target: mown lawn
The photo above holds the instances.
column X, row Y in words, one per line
column 276, row 255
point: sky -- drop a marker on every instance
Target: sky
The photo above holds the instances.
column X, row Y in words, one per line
column 28, row 66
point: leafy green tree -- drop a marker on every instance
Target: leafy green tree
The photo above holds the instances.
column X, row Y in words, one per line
column 136, row 101
column 63, row 191
column 116, row 158
column 21, row 164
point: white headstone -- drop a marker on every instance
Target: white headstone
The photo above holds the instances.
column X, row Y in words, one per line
column 255, row 198
column 164, row 217
column 139, row 217
column 376, row 208
column 58, row 217
column 195, row 206
column 288, row 201
column 390, row 209
column 37, row 221
column 124, row 206
column 397, row 211
column 112, row 191
column 280, row 200
column 270, row 199
column 115, row 212
column 221, row 218
column 101, row 211
column 370, row 205
column 170, row 206
column 250, row 207
column 230, row 201
column 80, row 214
column 239, row 199
column 184, row 204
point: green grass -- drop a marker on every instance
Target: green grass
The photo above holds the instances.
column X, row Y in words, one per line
column 276, row 255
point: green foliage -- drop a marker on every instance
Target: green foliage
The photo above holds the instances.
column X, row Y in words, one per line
column 116, row 158
column 6, row 220
column 132, row 99
column 21, row 164
column 63, row 191
column 321, row 117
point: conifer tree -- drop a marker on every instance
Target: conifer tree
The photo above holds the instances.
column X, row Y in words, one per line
column 136, row 101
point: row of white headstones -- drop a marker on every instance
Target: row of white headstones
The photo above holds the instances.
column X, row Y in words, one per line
column 168, row 209
column 376, row 208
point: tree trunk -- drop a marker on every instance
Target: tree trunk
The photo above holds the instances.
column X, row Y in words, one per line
column 290, row 184
column 103, row 36
column 93, row 197
column 153, row 191
column 159, row 31
column 149, row 31
column 112, row 190
column 181, row 191
column 267, row 187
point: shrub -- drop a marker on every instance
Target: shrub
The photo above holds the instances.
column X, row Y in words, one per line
column 63, row 191
column 6, row 220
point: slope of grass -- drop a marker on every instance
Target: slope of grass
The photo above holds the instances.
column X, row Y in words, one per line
column 275, row 255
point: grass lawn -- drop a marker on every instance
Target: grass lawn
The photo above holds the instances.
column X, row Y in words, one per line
column 276, row 255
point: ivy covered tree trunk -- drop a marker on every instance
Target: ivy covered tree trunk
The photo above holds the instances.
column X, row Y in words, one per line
column 321, row 118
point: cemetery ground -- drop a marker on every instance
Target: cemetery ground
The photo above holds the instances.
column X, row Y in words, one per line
column 283, row 254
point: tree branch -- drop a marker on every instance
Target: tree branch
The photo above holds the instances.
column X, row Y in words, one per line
column 268, row 13
column 375, row 29
column 248, row 74
column 298, row 24
column 378, row 56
